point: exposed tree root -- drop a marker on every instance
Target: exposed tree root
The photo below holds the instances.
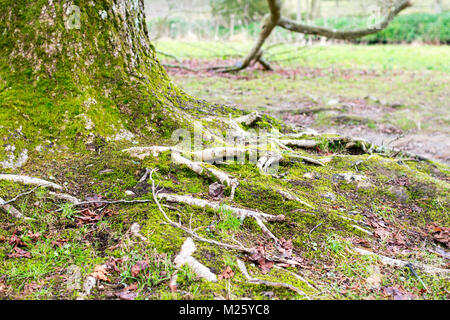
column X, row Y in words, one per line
column 241, row 213
column 299, row 277
column 143, row 152
column 135, row 231
column 9, row 209
column 401, row 263
column 194, row 235
column 300, row 143
column 244, row 271
column 30, row 181
column 200, row 169
column 288, row 196
column 3, row 203
column 185, row 257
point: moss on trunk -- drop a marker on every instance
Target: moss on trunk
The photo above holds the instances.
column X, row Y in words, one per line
column 72, row 72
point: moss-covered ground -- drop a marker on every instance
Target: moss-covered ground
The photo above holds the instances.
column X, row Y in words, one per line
column 396, row 211
column 399, row 203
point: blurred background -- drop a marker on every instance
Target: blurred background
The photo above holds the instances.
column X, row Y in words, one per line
column 390, row 87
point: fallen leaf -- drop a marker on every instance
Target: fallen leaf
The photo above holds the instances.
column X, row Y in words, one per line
column 20, row 253
column 127, row 295
column 100, row 273
column 226, row 274
column 15, row 240
column 398, row 293
column 138, row 267
column 59, row 242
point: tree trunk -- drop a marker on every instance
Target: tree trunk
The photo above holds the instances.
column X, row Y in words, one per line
column 438, row 6
column 70, row 73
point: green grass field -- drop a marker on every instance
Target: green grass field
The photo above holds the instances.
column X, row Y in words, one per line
column 379, row 57
column 377, row 92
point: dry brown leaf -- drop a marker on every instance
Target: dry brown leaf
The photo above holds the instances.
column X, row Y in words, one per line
column 138, row 267
column 100, row 273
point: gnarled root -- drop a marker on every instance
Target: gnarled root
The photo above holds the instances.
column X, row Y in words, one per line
column 401, row 263
column 244, row 271
column 239, row 212
column 30, row 181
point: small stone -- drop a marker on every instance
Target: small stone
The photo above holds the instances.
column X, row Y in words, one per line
column 73, row 278
column 329, row 195
column 130, row 193
column 105, row 171
column 399, row 192
column 216, row 190
column 347, row 177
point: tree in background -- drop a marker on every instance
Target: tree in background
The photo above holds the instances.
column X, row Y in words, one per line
column 243, row 10
column 275, row 19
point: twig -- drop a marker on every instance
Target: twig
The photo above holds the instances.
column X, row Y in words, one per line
column 244, row 271
column 2, row 203
column 299, row 277
column 313, row 230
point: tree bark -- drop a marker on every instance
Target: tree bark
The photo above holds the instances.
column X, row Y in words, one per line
column 76, row 72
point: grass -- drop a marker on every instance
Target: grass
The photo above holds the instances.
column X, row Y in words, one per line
column 378, row 57
column 397, row 89
column 334, row 268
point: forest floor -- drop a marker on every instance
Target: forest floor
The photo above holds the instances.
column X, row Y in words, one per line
column 390, row 95
column 356, row 203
